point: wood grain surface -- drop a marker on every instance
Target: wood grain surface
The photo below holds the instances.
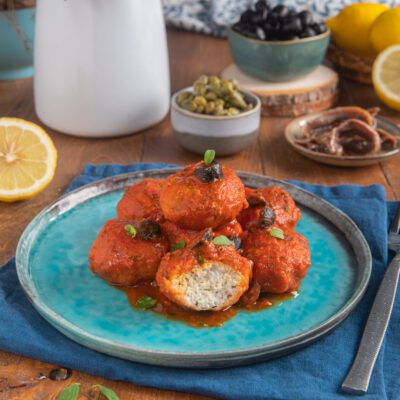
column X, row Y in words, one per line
column 190, row 56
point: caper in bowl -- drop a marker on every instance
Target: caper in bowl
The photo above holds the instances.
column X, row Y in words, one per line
column 214, row 113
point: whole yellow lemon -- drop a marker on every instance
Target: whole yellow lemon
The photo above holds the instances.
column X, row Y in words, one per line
column 385, row 30
column 350, row 28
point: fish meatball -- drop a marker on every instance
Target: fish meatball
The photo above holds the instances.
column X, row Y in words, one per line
column 141, row 201
column 204, row 277
column 279, row 264
column 202, row 196
column 126, row 253
column 272, row 205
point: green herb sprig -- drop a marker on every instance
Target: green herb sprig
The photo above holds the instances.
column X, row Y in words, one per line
column 146, row 302
column 69, row 393
column 178, row 245
column 107, row 393
column 222, row 240
column 131, row 230
column 209, row 156
column 277, row 233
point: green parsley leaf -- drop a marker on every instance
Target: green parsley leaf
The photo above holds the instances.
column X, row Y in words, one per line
column 278, row 233
column 146, row 302
column 209, row 156
column 178, row 245
column 222, row 240
column 107, row 393
column 69, row 393
column 131, row 230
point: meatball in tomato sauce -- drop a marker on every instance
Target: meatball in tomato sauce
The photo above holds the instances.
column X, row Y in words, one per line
column 279, row 262
column 126, row 253
column 202, row 196
column 285, row 213
column 204, row 276
column 141, row 201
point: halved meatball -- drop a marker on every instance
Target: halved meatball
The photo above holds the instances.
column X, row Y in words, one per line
column 204, row 277
column 262, row 200
column 202, row 196
column 141, row 201
column 126, row 253
column 279, row 264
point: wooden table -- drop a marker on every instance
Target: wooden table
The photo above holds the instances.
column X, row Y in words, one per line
column 190, row 56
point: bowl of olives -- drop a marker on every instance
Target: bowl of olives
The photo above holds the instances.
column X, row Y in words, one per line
column 213, row 113
column 277, row 44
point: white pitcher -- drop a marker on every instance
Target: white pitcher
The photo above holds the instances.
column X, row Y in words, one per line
column 101, row 66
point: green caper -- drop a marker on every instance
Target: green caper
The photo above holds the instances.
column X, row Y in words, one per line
column 200, row 109
column 211, row 96
column 210, row 107
column 214, row 80
column 182, row 96
column 233, row 111
column 220, row 102
column 200, row 100
column 203, row 79
column 200, row 88
column 237, row 100
column 189, row 105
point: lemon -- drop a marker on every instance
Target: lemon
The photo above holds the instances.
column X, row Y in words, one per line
column 385, row 30
column 350, row 28
column 27, row 159
column 386, row 76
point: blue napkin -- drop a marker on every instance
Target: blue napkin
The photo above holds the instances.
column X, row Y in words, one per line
column 315, row 372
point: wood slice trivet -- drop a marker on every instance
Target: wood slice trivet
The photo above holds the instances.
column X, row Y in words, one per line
column 352, row 66
column 314, row 92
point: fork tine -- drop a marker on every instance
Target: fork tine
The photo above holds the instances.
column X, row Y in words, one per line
column 395, row 226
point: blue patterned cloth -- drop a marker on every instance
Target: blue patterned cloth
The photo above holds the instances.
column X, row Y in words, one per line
column 314, row 373
column 213, row 16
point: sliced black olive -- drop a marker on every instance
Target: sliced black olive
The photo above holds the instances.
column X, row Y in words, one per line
column 209, row 173
column 256, row 199
column 237, row 242
column 267, row 217
column 149, row 229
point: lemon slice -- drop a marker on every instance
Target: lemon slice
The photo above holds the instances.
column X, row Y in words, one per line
column 27, row 159
column 386, row 76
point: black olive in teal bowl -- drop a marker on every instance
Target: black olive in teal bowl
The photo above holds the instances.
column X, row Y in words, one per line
column 277, row 61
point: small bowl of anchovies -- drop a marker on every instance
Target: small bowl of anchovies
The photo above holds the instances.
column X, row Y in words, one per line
column 214, row 113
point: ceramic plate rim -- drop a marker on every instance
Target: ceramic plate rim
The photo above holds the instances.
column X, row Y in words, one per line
column 320, row 157
column 191, row 359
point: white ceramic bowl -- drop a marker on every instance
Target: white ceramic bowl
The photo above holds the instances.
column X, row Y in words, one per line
column 225, row 134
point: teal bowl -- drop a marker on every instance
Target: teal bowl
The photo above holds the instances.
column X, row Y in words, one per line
column 16, row 43
column 277, row 61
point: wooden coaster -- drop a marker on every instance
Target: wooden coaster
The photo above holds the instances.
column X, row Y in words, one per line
column 312, row 93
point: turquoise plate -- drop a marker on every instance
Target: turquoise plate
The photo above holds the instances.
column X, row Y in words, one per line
column 53, row 269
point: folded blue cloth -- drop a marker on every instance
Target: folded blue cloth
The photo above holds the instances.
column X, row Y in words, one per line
column 313, row 373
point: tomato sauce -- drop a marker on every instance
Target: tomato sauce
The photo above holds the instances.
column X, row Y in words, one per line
column 197, row 319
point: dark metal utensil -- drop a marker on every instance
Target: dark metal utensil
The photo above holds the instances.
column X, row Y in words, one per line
column 357, row 380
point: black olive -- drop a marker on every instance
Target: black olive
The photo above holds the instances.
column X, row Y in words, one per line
column 306, row 18
column 246, row 17
column 291, row 25
column 319, row 28
column 291, row 13
column 149, row 229
column 307, row 32
column 267, row 217
column 256, row 199
column 280, row 11
column 259, row 18
column 272, row 25
column 262, row 5
column 209, row 173
column 237, row 242
column 60, row 374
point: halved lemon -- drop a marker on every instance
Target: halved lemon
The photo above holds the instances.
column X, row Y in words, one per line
column 27, row 159
column 386, row 76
